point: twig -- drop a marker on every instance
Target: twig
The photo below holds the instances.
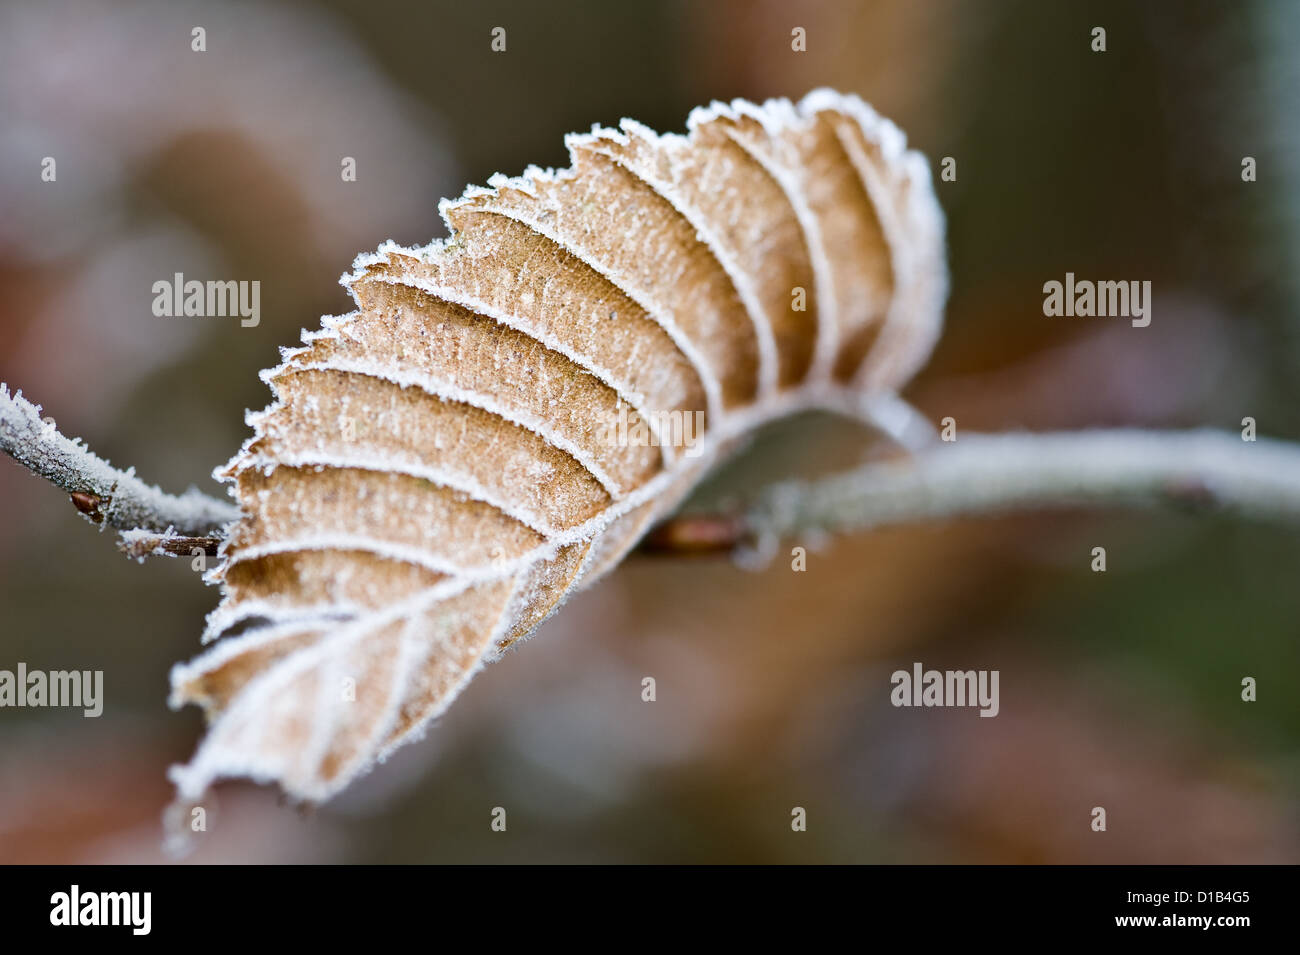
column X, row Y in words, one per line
column 139, row 544
column 689, row 534
column 988, row 474
column 105, row 495
column 977, row 474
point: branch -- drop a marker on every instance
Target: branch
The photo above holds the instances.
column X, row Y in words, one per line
column 105, row 495
column 139, row 544
column 988, row 474
column 978, row 474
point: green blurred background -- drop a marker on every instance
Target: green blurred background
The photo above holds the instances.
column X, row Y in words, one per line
column 1118, row 689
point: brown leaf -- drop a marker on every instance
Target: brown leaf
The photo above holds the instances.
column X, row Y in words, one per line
column 509, row 410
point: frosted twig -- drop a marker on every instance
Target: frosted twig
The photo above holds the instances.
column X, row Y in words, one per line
column 978, row 474
column 139, row 544
column 989, row 474
column 103, row 494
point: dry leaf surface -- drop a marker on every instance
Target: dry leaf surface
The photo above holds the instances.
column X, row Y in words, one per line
column 508, row 410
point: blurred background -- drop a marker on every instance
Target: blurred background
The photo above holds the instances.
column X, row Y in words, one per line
column 1119, row 689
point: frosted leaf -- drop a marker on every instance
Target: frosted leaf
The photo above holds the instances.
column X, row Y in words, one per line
column 512, row 391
